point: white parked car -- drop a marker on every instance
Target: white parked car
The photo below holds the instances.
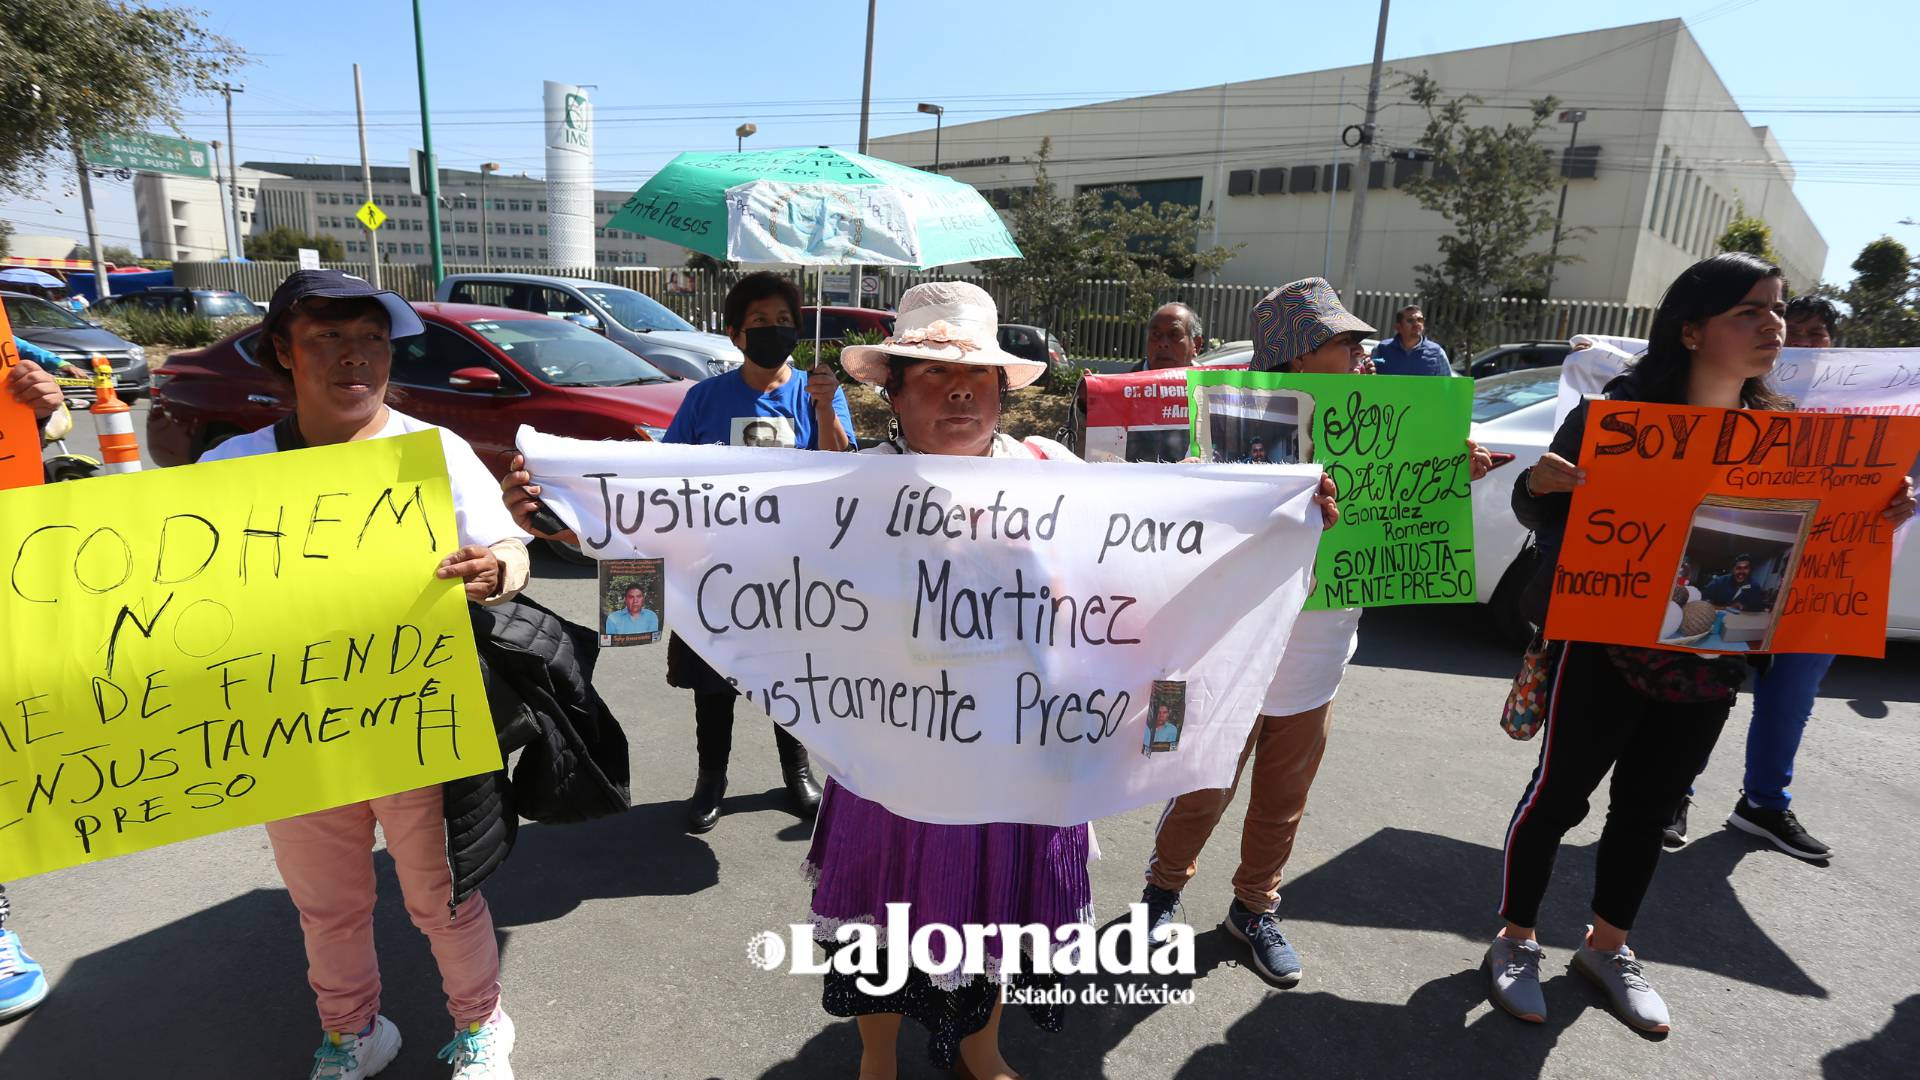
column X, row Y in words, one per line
column 1240, row 353
column 1513, row 417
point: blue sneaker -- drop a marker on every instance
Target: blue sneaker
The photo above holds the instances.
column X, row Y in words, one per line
column 1160, row 906
column 1273, row 959
column 22, row 984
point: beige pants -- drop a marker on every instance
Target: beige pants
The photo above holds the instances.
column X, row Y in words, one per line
column 1286, row 752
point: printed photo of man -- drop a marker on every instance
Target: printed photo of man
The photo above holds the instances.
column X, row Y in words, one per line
column 1735, row 589
column 634, row 616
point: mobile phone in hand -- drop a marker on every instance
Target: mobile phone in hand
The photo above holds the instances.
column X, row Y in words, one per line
column 545, row 521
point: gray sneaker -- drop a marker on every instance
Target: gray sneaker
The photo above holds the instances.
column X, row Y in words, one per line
column 1515, row 967
column 1618, row 973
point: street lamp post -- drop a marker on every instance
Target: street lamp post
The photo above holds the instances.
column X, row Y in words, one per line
column 1567, row 116
column 486, row 256
column 937, row 112
column 740, row 135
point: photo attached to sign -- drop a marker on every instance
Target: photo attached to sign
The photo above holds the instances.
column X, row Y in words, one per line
column 1138, row 416
column 1166, row 716
column 1396, row 449
column 632, row 601
column 774, row 431
column 1734, row 572
column 1245, row 425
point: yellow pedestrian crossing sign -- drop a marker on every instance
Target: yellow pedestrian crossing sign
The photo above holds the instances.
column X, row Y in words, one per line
column 371, row 216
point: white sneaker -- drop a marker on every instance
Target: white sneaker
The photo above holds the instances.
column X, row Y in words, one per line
column 479, row 1052
column 344, row 1056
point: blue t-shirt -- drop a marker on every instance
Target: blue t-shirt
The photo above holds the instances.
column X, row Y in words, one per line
column 725, row 410
column 619, row 622
column 1425, row 358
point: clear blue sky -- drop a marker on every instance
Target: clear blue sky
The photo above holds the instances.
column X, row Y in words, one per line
column 680, row 76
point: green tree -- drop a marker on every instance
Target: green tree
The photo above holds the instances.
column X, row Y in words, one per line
column 1750, row 235
column 1494, row 185
column 283, row 244
column 117, row 254
column 6, row 239
column 1110, row 234
column 1883, row 298
column 72, row 71
column 700, row 260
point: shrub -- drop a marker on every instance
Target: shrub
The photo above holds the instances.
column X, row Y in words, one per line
column 172, row 327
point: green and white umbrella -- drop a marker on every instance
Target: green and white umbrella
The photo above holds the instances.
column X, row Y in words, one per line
column 816, row 207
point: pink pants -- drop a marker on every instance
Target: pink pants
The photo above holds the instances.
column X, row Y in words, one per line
column 326, row 860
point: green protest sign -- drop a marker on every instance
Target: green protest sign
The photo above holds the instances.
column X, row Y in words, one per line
column 1395, row 446
column 153, row 153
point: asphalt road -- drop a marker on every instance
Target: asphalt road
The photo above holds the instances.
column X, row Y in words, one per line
column 624, row 940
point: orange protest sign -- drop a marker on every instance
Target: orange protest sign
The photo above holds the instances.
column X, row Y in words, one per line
column 19, row 431
column 1728, row 531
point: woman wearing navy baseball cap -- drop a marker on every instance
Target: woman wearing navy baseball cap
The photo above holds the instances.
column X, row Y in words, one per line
column 331, row 335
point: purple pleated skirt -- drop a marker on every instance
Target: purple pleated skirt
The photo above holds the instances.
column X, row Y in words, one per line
column 865, row 857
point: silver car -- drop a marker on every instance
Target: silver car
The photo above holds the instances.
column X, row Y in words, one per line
column 631, row 319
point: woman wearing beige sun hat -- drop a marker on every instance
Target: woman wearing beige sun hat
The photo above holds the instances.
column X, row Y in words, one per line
column 944, row 374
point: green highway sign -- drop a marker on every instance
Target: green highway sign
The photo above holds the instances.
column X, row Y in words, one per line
column 153, row 153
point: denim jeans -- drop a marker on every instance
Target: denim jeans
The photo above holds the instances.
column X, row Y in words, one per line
column 1782, row 701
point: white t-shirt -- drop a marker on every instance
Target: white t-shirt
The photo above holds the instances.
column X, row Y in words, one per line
column 478, row 511
column 1316, row 657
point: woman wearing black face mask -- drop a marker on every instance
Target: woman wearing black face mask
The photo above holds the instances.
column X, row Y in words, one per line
column 764, row 403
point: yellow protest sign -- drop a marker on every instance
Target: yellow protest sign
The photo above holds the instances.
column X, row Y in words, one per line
column 192, row 650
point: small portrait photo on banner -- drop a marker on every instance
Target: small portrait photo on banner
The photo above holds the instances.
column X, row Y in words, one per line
column 1248, row 426
column 763, row 431
column 1166, row 715
column 631, row 601
column 1734, row 572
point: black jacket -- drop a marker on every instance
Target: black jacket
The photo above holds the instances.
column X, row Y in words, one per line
column 573, row 755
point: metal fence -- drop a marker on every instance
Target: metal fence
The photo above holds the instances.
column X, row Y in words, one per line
column 1106, row 326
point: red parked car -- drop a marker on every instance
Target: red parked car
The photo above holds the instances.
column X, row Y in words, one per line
column 479, row 371
column 837, row 322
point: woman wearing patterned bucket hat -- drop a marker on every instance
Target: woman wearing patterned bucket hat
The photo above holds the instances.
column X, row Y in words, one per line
column 1302, row 328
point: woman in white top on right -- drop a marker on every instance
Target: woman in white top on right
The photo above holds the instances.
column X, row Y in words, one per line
column 1301, row 327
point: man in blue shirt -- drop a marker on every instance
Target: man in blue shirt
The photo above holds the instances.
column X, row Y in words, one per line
column 762, row 403
column 634, row 618
column 1408, row 352
column 1735, row 589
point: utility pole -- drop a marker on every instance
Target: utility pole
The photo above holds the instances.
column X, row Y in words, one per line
column 233, row 171
column 1572, row 116
column 426, row 145
column 857, row 274
column 866, row 78
column 220, row 200
column 1363, row 171
column 486, row 252
column 939, row 113
column 366, row 172
column 101, row 290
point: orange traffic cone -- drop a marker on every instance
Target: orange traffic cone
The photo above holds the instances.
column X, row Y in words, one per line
column 113, row 423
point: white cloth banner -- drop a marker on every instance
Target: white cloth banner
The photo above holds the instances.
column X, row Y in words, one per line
column 1818, row 380
column 967, row 640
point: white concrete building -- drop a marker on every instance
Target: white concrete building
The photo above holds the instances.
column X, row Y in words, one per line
column 1671, row 157
column 184, row 218
column 180, row 217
